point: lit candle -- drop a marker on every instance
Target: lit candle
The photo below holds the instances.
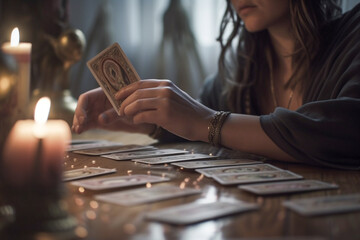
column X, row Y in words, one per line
column 22, row 53
column 34, row 151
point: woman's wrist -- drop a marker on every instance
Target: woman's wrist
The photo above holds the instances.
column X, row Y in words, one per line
column 215, row 127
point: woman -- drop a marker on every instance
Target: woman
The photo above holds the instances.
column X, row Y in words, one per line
column 295, row 94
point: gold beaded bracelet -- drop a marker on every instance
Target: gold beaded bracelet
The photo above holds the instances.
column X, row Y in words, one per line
column 215, row 125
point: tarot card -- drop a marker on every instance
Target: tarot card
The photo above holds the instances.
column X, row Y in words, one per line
column 325, row 205
column 209, row 172
column 256, row 177
column 85, row 173
column 197, row 212
column 146, row 195
column 99, row 144
column 144, row 154
column 114, row 149
column 287, row 187
column 120, row 181
column 112, row 70
column 214, row 163
column 176, row 158
column 82, row 141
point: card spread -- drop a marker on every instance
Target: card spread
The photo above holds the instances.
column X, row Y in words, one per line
column 144, row 154
column 256, row 177
column 114, row 149
column 176, row 158
column 146, row 195
column 197, row 212
column 325, row 205
column 214, row 163
column 112, row 70
column 287, row 187
column 86, row 173
column 120, row 181
column 209, row 172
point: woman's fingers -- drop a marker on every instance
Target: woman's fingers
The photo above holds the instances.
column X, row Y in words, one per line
column 142, row 84
column 108, row 117
column 80, row 115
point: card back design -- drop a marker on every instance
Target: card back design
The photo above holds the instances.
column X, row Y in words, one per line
column 113, row 70
column 325, row 205
column 120, row 181
column 146, row 195
column 287, row 187
column 197, row 212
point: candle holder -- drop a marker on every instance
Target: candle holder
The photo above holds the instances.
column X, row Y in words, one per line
column 34, row 208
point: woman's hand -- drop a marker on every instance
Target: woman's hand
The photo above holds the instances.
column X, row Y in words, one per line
column 162, row 103
column 95, row 111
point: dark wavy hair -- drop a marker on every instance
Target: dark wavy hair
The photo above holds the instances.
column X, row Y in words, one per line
column 255, row 56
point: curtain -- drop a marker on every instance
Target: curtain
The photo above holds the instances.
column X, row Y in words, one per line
column 137, row 25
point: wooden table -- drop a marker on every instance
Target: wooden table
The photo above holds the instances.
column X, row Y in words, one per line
column 107, row 221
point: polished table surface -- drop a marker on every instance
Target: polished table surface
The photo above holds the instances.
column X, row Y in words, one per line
column 100, row 220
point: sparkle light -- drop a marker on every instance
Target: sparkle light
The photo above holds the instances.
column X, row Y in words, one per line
column 81, row 232
column 94, row 204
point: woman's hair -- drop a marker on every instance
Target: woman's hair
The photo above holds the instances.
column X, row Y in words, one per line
column 256, row 57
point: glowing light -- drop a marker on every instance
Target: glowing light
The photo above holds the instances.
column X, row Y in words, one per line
column 90, row 214
column 81, row 190
column 148, row 185
column 81, row 232
column 182, row 185
column 93, row 161
column 200, row 178
column 42, row 110
column 15, row 37
column 94, row 204
column 129, row 172
column 79, row 202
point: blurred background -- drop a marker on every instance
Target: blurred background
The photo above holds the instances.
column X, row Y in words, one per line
column 170, row 39
column 180, row 46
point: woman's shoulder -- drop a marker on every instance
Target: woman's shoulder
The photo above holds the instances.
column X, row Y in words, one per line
column 345, row 24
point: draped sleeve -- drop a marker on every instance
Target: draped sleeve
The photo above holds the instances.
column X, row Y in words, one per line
column 326, row 129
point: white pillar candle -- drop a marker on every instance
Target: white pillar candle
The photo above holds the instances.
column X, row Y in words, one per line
column 21, row 151
column 22, row 53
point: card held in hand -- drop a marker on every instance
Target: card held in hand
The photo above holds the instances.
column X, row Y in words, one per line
column 112, row 70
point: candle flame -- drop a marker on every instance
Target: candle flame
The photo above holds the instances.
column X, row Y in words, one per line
column 42, row 110
column 15, row 37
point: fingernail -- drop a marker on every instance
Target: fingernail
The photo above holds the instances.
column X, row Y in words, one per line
column 104, row 118
column 81, row 120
